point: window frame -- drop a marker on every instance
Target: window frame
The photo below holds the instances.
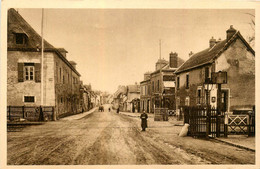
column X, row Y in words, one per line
column 27, row 97
column 178, row 82
column 187, row 81
column 27, row 69
column 20, row 37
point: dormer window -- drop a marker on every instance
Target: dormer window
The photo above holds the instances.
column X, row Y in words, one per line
column 20, row 38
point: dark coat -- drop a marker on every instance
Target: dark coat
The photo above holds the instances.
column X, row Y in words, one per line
column 143, row 118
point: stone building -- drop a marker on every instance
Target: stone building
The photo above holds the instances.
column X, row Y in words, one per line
column 232, row 55
column 162, row 82
column 61, row 87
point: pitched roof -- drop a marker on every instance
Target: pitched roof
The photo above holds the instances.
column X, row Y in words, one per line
column 210, row 54
column 17, row 24
column 166, row 68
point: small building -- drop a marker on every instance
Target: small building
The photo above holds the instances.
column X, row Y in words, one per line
column 119, row 97
column 133, row 98
column 61, row 80
column 232, row 55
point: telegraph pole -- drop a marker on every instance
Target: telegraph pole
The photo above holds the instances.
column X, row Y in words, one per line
column 42, row 57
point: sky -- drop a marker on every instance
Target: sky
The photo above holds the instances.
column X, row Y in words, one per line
column 115, row 47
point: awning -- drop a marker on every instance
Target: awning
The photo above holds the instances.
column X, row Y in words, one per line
column 169, row 84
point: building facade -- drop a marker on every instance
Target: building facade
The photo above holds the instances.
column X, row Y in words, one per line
column 232, row 55
column 162, row 82
column 145, row 93
column 61, row 87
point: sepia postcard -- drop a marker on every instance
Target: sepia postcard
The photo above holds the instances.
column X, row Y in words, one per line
column 129, row 85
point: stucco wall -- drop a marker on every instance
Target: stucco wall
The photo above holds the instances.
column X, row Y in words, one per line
column 17, row 90
column 239, row 63
column 240, row 66
column 66, row 91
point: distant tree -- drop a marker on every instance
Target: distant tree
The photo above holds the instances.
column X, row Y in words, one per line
column 251, row 39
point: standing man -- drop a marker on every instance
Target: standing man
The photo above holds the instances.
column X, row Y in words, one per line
column 143, row 118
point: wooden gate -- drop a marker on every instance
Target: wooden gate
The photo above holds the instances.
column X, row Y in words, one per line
column 241, row 124
column 160, row 114
column 205, row 121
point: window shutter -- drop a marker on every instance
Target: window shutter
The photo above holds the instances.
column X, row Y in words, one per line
column 37, row 69
column 20, row 72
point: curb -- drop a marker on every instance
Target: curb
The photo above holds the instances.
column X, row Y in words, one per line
column 24, row 123
column 233, row 144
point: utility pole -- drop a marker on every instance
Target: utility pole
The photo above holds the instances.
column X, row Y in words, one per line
column 160, row 83
column 42, row 57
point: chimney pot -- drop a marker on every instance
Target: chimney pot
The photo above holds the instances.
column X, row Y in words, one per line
column 230, row 32
column 212, row 42
column 191, row 53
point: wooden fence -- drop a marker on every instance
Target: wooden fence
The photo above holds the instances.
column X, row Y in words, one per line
column 30, row 113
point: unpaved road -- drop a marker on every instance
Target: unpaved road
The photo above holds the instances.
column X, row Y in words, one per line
column 110, row 138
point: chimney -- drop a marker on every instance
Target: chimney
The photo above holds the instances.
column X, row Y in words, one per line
column 147, row 75
column 230, row 32
column 190, row 54
column 212, row 42
column 73, row 64
column 160, row 64
column 173, row 60
column 62, row 51
column 219, row 39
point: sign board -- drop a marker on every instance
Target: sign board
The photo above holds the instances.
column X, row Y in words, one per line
column 219, row 77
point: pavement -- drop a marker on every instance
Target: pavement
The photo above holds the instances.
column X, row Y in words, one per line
column 78, row 116
column 241, row 141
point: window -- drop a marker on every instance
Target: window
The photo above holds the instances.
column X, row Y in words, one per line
column 60, row 74
column 187, row 81
column 207, row 78
column 178, row 82
column 29, row 99
column 153, row 86
column 29, row 72
column 207, row 96
column 68, row 78
column 57, row 72
column 187, row 101
column 20, row 38
column 199, row 98
column 158, row 85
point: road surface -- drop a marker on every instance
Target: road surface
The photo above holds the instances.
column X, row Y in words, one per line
column 114, row 139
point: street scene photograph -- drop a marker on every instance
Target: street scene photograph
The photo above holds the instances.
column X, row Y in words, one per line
column 130, row 86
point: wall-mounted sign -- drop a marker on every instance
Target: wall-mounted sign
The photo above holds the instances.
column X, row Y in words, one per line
column 219, row 77
column 213, row 99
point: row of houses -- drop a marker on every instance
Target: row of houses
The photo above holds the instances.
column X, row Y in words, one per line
column 177, row 83
column 127, row 98
column 53, row 82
